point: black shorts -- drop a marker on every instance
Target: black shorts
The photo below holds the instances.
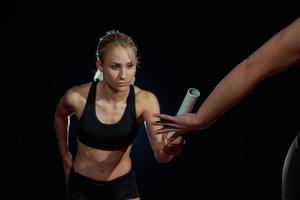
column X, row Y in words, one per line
column 291, row 172
column 83, row 188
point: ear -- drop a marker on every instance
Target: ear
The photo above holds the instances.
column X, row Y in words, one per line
column 99, row 64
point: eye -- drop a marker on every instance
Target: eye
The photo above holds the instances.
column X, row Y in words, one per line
column 114, row 66
column 130, row 65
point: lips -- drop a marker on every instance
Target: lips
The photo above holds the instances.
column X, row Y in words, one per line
column 122, row 84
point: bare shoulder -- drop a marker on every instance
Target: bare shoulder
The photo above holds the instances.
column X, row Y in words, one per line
column 146, row 103
column 77, row 94
column 145, row 97
column 142, row 94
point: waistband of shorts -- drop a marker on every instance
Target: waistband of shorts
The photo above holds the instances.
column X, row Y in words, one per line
column 93, row 181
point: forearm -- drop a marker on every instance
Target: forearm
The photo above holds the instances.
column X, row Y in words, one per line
column 61, row 130
column 157, row 144
column 276, row 55
column 231, row 90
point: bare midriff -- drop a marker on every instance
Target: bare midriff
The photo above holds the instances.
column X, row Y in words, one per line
column 102, row 165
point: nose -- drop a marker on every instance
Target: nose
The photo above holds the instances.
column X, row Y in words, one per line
column 122, row 73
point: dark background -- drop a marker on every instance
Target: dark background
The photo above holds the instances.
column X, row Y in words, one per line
column 241, row 156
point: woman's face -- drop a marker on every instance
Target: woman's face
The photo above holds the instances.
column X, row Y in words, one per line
column 118, row 67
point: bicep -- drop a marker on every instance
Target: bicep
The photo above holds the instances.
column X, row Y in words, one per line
column 65, row 106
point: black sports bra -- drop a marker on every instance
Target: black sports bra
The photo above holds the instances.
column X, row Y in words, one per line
column 94, row 133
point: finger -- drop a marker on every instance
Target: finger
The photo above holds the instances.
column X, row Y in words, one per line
column 162, row 123
column 164, row 117
column 165, row 138
column 166, row 124
column 179, row 139
column 173, row 137
column 159, row 123
column 164, row 130
column 177, row 134
column 175, row 141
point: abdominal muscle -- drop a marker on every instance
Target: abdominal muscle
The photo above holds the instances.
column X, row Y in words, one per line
column 102, row 165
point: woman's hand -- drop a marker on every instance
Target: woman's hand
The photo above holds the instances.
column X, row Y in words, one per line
column 174, row 146
column 180, row 124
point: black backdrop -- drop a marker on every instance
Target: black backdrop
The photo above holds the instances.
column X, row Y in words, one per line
column 239, row 157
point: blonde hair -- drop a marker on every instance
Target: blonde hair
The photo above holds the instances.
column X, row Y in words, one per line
column 112, row 38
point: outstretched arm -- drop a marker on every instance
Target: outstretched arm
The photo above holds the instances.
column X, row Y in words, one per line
column 274, row 56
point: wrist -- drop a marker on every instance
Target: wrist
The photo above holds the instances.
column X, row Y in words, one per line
column 199, row 122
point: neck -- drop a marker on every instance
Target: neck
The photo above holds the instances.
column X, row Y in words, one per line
column 109, row 94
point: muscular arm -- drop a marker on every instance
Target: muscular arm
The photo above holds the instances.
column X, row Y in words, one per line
column 65, row 108
column 276, row 55
column 61, row 126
